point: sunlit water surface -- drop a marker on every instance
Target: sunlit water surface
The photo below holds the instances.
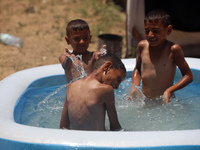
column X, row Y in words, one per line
column 41, row 105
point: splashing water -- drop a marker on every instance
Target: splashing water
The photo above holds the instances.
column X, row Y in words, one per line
column 40, row 105
column 78, row 67
column 133, row 93
column 104, row 51
column 130, row 92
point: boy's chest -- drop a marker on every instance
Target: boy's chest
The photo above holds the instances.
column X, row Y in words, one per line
column 158, row 62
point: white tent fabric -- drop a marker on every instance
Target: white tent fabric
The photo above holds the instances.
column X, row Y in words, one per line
column 135, row 15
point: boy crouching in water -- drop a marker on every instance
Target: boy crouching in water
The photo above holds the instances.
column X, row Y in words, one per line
column 88, row 99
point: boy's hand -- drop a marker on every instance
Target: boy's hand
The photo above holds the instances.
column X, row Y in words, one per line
column 166, row 97
column 134, row 94
column 67, row 52
column 65, row 59
column 102, row 51
column 131, row 94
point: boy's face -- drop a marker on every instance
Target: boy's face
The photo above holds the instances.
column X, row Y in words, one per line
column 115, row 77
column 156, row 33
column 79, row 40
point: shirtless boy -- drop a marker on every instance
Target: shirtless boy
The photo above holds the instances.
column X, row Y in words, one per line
column 157, row 59
column 88, row 99
column 78, row 36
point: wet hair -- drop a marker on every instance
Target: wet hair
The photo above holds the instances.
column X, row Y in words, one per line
column 116, row 62
column 156, row 15
column 77, row 24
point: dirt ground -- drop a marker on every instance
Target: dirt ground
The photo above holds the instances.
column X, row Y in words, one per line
column 41, row 25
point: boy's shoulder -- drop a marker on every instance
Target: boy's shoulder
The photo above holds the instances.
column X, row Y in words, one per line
column 96, row 84
column 142, row 43
column 174, row 46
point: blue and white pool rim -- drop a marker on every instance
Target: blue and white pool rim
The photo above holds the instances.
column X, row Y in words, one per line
column 18, row 136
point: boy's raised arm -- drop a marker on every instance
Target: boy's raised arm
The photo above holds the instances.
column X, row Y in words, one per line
column 65, row 60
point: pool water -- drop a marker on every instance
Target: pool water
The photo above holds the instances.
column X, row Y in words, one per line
column 41, row 105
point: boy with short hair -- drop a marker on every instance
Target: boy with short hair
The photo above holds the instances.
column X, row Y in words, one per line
column 78, row 36
column 157, row 59
column 88, row 99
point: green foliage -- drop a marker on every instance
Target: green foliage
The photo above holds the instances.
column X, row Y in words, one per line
column 106, row 14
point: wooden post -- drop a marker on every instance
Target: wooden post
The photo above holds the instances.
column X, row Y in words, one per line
column 113, row 43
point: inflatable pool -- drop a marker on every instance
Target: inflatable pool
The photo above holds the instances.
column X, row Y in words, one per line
column 17, row 136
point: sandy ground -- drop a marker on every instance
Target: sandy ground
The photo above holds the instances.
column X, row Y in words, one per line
column 41, row 25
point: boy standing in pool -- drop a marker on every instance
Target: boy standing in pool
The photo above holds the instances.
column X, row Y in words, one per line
column 78, row 36
column 157, row 59
column 88, row 99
